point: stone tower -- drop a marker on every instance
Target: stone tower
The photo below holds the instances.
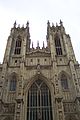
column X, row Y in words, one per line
column 39, row 83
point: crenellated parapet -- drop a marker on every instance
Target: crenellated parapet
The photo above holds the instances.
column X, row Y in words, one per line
column 55, row 28
column 22, row 31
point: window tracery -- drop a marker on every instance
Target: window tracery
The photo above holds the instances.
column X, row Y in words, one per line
column 18, row 46
column 39, row 102
column 69, row 107
column 64, row 82
column 13, row 83
column 58, row 46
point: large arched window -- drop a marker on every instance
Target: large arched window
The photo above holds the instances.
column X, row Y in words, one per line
column 13, row 83
column 18, row 45
column 64, row 82
column 39, row 102
column 58, row 46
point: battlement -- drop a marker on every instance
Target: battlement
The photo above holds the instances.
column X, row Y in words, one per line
column 20, row 27
column 55, row 28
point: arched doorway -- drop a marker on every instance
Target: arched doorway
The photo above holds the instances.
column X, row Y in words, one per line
column 39, row 102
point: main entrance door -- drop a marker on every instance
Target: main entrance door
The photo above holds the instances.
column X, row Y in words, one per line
column 39, row 102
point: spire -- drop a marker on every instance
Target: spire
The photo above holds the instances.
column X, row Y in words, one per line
column 15, row 24
column 52, row 24
column 23, row 26
column 32, row 45
column 19, row 26
column 61, row 23
column 27, row 27
column 48, row 23
column 43, row 45
column 28, row 33
column 27, row 24
column 62, row 27
column 57, row 27
column 56, row 24
column 38, row 45
column 53, row 27
column 48, row 29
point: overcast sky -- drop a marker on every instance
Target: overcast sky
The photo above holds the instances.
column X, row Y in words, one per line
column 38, row 12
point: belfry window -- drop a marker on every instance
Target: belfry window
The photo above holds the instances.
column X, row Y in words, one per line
column 13, row 83
column 64, row 82
column 39, row 102
column 18, row 46
column 58, row 46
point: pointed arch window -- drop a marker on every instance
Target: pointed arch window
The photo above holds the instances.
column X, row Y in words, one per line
column 18, row 46
column 58, row 46
column 13, row 83
column 39, row 102
column 64, row 82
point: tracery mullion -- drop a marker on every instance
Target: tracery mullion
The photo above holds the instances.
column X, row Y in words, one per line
column 32, row 114
column 40, row 98
column 42, row 103
column 29, row 103
column 39, row 101
column 40, row 108
column 47, row 118
column 43, row 114
column 37, row 105
column 34, row 104
column 43, row 98
column 32, row 97
column 49, row 105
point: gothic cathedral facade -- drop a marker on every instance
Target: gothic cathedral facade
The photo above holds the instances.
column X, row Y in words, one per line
column 39, row 83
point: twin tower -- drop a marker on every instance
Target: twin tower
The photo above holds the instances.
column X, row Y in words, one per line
column 39, row 83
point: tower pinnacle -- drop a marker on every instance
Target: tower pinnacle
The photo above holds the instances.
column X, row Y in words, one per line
column 15, row 24
column 61, row 23
column 27, row 24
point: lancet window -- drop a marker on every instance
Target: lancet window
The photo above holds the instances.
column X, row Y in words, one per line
column 13, row 83
column 58, row 46
column 64, row 82
column 18, row 46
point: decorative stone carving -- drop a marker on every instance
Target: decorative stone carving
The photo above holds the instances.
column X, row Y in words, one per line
column 56, row 85
column 45, row 62
column 18, row 117
column 60, row 115
column 8, row 108
column 59, row 105
column 69, row 107
column 18, row 105
column 57, row 90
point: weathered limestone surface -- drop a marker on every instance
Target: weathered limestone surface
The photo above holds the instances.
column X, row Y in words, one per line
column 31, row 64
